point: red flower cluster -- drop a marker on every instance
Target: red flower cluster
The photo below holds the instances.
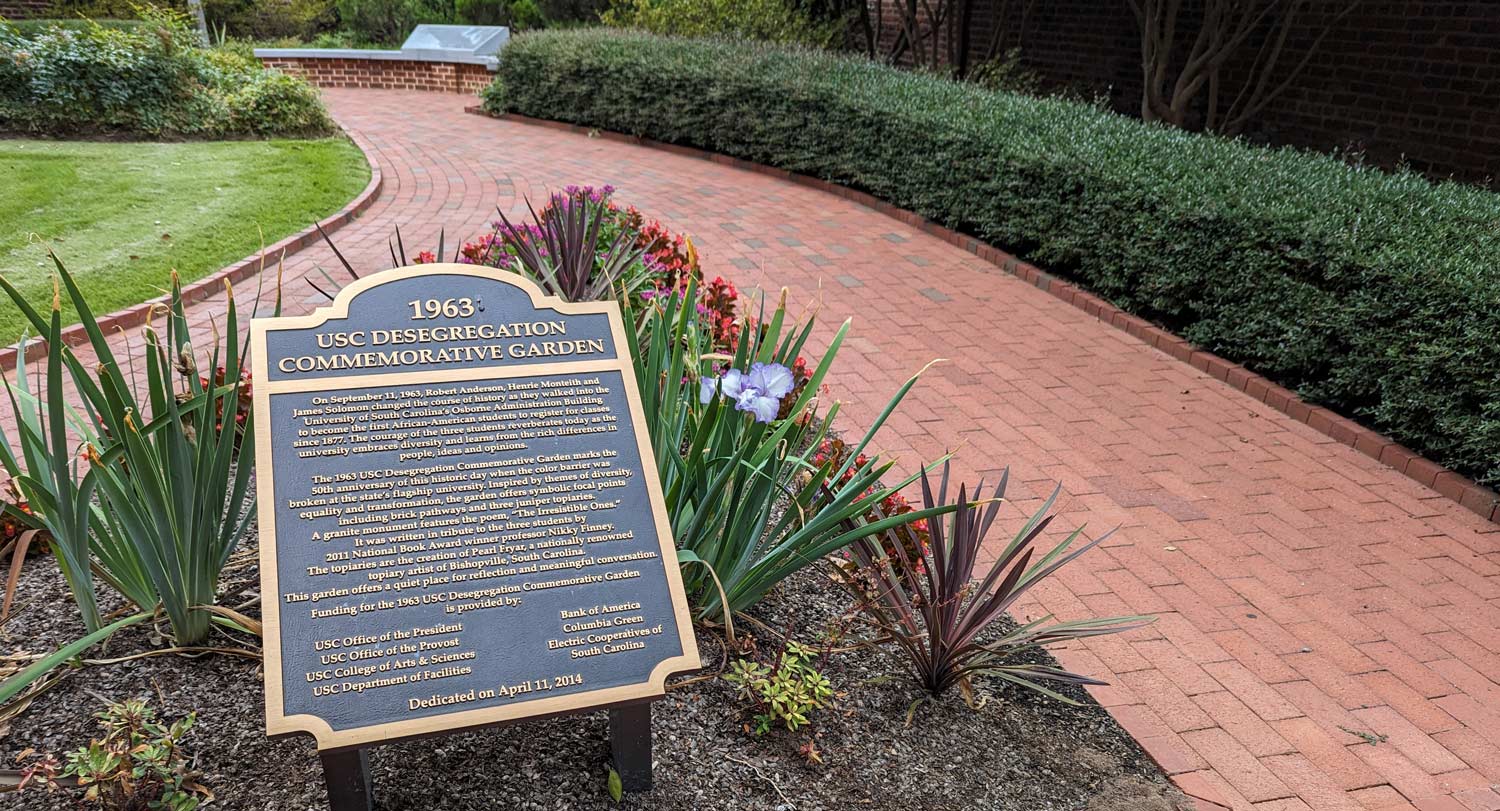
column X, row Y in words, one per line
column 246, row 399
column 718, row 301
column 914, row 536
column 670, row 256
column 10, row 525
column 483, row 251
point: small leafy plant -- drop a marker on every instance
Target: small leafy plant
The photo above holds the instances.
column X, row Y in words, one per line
column 785, row 691
column 936, row 613
column 139, row 764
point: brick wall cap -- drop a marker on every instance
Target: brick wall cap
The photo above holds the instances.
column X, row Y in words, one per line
column 368, row 55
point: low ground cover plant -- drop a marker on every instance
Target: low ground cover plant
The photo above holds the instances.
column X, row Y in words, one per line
column 138, row 764
column 1371, row 292
column 785, row 690
column 147, row 80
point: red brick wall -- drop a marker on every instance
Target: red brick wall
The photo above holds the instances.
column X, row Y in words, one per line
column 393, row 74
column 24, row 9
column 1402, row 80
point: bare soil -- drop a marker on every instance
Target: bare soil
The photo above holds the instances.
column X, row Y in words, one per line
column 1016, row 751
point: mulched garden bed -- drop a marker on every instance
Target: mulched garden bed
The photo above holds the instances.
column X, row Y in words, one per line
column 1017, row 751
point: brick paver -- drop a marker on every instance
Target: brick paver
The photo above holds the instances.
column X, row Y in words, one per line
column 1328, row 629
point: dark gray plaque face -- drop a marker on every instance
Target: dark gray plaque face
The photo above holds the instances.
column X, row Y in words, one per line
column 459, row 514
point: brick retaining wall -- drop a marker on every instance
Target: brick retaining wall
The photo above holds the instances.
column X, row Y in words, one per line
column 388, row 74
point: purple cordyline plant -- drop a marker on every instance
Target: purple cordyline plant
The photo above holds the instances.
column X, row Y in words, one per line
column 575, row 192
column 758, row 391
column 936, row 611
column 566, row 252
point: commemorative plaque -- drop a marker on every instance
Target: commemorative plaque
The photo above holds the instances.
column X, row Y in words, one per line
column 460, row 519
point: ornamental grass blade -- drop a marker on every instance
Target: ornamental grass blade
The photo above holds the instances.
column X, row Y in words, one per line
column 13, row 686
column 336, row 252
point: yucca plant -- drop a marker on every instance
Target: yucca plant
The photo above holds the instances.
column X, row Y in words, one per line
column 743, row 494
column 173, row 502
column 46, row 471
column 176, row 492
column 937, row 614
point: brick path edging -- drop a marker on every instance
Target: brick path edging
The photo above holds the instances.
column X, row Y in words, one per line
column 201, row 290
column 1472, row 496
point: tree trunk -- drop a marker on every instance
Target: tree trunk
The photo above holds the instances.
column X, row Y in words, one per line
column 196, row 7
column 1225, row 26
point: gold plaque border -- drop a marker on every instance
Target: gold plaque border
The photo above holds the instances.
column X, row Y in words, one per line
column 277, row 722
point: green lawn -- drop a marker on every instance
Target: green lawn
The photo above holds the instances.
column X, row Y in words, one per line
column 122, row 216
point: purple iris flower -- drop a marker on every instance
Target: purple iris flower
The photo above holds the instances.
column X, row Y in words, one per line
column 758, row 391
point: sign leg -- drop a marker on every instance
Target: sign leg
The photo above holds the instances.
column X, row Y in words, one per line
column 630, row 742
column 347, row 775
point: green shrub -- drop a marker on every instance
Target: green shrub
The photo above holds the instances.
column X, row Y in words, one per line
column 482, row 12
column 273, row 103
column 571, row 12
column 768, row 20
column 150, row 80
column 1375, row 293
column 108, row 9
column 391, row 21
column 270, row 19
column 29, row 28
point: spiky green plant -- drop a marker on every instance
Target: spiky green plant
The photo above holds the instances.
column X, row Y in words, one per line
column 744, row 496
column 47, row 471
column 176, row 492
column 173, row 502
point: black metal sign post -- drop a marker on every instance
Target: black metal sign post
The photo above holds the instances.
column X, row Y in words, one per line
column 461, row 522
column 630, row 744
column 346, row 772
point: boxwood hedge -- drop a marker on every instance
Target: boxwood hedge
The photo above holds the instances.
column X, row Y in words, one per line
column 1375, row 293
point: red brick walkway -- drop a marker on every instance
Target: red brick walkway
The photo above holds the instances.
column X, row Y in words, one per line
column 1308, row 597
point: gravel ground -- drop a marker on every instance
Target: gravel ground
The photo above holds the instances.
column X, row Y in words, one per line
column 1017, row 752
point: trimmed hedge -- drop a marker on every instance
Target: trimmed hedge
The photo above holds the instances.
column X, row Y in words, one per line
column 1375, row 293
column 147, row 79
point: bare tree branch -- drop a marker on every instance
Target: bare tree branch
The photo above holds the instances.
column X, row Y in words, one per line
column 1175, row 84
